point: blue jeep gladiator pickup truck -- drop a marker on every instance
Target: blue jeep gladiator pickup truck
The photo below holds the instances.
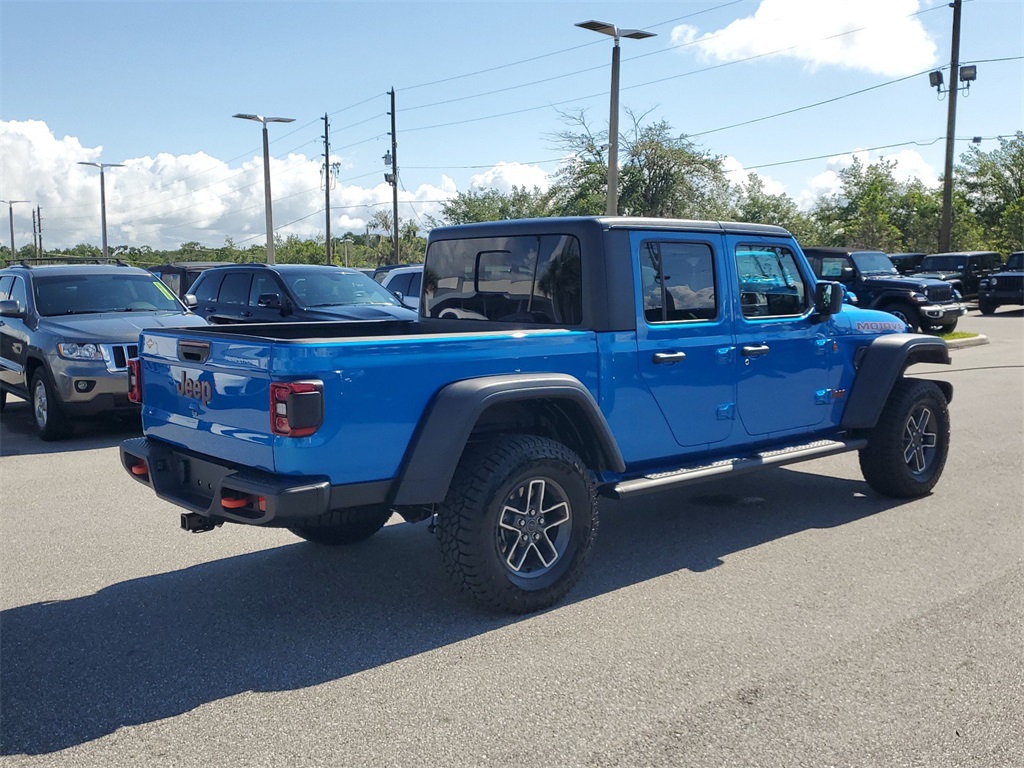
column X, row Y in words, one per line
column 552, row 361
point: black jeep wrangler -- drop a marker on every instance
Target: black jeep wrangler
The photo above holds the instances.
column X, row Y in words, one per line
column 922, row 303
column 964, row 270
column 1004, row 287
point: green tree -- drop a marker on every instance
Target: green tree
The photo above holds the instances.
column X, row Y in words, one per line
column 860, row 215
column 753, row 204
column 492, row 205
column 993, row 187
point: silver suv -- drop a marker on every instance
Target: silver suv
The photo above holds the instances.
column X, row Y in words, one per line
column 67, row 332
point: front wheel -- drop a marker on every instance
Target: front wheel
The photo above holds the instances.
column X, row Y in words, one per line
column 907, row 314
column 907, row 449
column 518, row 522
column 986, row 307
column 343, row 526
column 47, row 412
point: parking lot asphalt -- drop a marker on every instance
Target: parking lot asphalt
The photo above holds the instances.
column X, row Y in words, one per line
column 791, row 618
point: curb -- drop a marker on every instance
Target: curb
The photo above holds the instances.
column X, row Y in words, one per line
column 973, row 341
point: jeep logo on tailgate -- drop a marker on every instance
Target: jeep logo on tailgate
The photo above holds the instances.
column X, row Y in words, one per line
column 198, row 390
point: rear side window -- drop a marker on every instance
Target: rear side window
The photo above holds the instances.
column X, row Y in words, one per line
column 678, row 281
column 207, row 288
column 520, row 279
column 235, row 288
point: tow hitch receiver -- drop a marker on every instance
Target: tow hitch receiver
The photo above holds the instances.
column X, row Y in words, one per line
column 196, row 523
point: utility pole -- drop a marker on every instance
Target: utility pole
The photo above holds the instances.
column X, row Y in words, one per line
column 39, row 218
column 394, row 178
column 328, row 170
column 35, row 243
column 945, row 231
column 10, row 211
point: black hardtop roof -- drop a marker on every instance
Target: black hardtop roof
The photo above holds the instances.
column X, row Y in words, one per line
column 840, row 251
column 965, row 253
column 566, row 225
column 189, row 265
column 65, row 270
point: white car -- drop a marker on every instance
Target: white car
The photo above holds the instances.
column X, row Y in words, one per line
column 406, row 283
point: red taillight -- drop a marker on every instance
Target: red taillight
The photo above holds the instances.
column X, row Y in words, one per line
column 296, row 408
column 134, row 380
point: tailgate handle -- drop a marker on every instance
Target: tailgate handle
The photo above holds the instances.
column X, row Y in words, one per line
column 193, row 351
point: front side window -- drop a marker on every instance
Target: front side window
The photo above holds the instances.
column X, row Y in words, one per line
column 262, row 285
column 832, row 267
column 18, row 293
column 770, row 281
column 5, row 286
column 678, row 281
column 520, row 279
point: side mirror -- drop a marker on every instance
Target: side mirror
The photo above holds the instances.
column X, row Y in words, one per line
column 191, row 301
column 848, row 275
column 828, row 298
column 11, row 308
column 269, row 301
column 400, row 296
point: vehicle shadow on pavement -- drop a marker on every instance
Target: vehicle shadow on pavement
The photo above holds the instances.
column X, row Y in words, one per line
column 300, row 615
column 18, row 436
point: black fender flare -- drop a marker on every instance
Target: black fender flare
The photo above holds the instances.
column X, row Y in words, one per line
column 880, row 364
column 448, row 422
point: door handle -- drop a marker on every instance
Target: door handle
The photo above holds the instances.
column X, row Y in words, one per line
column 758, row 350
column 669, row 357
column 247, row 314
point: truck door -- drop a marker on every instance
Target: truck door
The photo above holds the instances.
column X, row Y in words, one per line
column 684, row 333
column 782, row 355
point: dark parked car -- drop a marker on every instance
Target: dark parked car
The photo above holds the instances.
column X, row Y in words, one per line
column 180, row 275
column 964, row 270
column 906, row 263
column 263, row 293
column 919, row 302
column 1004, row 287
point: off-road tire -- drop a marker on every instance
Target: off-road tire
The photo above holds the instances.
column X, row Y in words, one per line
column 337, row 527
column 907, row 448
column 941, row 330
column 987, row 307
column 512, row 481
column 907, row 314
column 47, row 410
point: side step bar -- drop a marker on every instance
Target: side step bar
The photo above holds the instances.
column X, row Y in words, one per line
column 696, row 473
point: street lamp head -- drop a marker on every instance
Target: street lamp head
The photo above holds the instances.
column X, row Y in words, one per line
column 244, row 116
column 935, row 79
column 612, row 31
column 264, row 120
column 968, row 73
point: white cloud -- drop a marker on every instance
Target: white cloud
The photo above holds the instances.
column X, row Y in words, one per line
column 878, row 36
column 504, row 176
column 166, row 200
column 737, row 175
column 908, row 165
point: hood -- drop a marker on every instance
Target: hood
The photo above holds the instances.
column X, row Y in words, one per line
column 939, row 275
column 359, row 312
column 115, row 327
column 918, row 283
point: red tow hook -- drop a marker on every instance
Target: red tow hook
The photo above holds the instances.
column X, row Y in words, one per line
column 139, row 468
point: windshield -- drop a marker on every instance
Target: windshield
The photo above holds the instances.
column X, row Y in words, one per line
column 874, row 263
column 84, row 294
column 943, row 264
column 1016, row 261
column 328, row 288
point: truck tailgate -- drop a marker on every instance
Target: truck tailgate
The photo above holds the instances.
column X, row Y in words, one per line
column 211, row 395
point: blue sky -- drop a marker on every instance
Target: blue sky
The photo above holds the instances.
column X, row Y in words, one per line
column 479, row 88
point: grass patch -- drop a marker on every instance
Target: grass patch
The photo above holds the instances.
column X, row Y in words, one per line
column 959, row 335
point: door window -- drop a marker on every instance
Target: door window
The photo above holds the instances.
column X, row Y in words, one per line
column 235, row 289
column 18, row 293
column 207, row 289
column 262, row 284
column 5, row 286
column 678, row 282
column 770, row 282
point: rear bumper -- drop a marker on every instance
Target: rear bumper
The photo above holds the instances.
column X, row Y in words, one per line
column 223, row 492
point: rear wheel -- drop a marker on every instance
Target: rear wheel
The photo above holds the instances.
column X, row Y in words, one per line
column 907, row 314
column 343, row 526
column 907, row 449
column 47, row 410
column 518, row 522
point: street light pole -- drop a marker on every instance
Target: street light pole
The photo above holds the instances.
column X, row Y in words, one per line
column 346, row 240
column 10, row 211
column 266, row 175
column 612, row 206
column 103, row 197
